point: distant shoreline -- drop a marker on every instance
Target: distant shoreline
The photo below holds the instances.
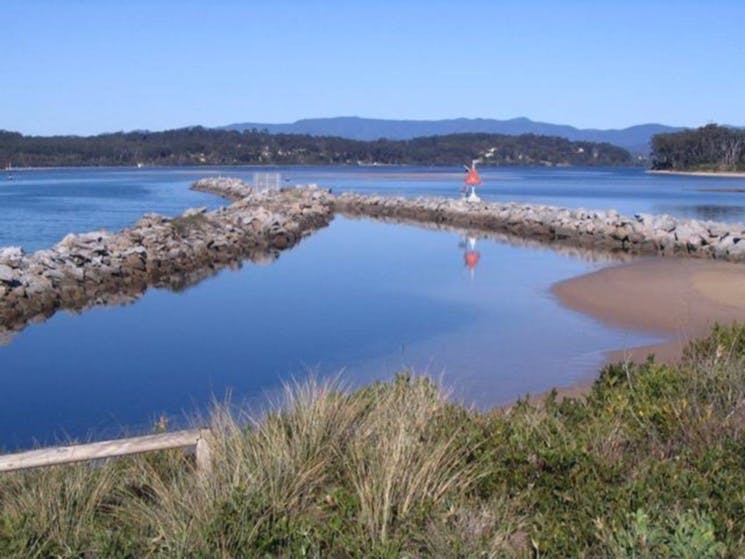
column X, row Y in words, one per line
column 217, row 167
column 718, row 174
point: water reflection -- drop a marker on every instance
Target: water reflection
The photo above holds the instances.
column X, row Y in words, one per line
column 128, row 293
column 471, row 256
column 565, row 247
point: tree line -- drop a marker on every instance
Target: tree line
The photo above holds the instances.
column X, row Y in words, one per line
column 709, row 148
column 204, row 146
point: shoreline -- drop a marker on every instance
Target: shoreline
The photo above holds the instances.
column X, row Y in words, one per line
column 645, row 295
column 316, row 165
column 676, row 298
column 713, row 174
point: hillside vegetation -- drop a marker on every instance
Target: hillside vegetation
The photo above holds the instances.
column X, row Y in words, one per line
column 710, row 148
column 650, row 464
column 202, row 146
column 635, row 138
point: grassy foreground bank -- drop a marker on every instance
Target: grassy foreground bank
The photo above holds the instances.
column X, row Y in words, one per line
column 650, row 464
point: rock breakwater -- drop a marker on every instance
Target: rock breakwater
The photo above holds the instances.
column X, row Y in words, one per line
column 599, row 230
column 227, row 187
column 105, row 268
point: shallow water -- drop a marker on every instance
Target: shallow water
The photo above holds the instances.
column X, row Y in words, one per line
column 39, row 207
column 360, row 297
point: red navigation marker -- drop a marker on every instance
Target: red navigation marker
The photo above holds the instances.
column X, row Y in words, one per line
column 471, row 181
column 473, row 178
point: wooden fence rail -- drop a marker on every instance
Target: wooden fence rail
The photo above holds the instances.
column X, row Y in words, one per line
column 199, row 439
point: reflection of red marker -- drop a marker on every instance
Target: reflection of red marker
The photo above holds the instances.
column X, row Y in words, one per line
column 472, row 259
column 472, row 256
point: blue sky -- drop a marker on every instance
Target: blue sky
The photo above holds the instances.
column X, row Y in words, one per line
column 74, row 66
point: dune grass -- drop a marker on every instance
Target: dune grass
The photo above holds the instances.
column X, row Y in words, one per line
column 650, row 464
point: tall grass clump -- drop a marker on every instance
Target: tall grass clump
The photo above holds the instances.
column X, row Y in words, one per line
column 325, row 471
column 651, row 463
column 405, row 456
column 55, row 512
column 267, row 480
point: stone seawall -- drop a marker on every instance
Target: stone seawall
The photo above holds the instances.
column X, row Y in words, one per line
column 226, row 187
column 596, row 230
column 105, row 268
column 599, row 230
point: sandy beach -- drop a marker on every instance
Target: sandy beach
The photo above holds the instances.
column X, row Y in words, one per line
column 722, row 174
column 678, row 298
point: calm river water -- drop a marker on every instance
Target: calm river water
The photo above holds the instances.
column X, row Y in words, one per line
column 359, row 299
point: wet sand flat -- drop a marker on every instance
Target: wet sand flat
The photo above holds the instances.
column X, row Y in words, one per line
column 720, row 174
column 679, row 298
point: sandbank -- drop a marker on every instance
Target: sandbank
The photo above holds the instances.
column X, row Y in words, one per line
column 721, row 174
column 677, row 298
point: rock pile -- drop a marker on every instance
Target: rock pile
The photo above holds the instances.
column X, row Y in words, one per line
column 604, row 230
column 102, row 267
column 230, row 188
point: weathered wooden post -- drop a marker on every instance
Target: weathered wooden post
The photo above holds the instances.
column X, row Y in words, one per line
column 204, row 453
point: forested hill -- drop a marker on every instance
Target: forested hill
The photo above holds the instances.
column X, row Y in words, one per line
column 710, row 148
column 635, row 138
column 202, row 146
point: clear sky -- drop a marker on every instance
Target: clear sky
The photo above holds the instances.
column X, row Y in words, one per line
column 75, row 66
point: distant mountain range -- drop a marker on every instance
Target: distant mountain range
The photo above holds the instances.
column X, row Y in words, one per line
column 635, row 138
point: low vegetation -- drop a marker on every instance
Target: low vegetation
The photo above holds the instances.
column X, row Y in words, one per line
column 650, row 464
column 709, row 148
column 203, row 146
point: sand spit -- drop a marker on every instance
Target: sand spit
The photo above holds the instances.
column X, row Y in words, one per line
column 719, row 174
column 676, row 297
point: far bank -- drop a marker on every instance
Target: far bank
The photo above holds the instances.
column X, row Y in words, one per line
column 719, row 174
